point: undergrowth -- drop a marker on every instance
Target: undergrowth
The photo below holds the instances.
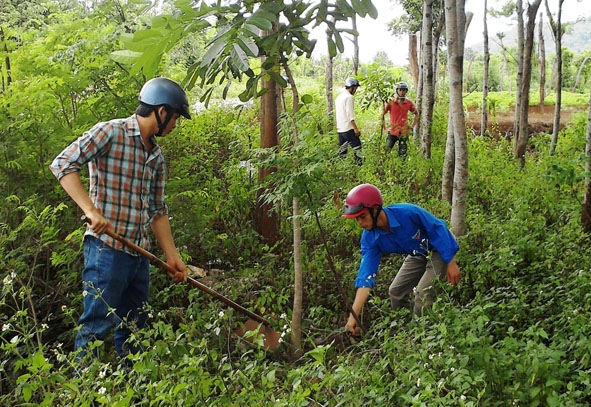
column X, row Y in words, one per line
column 514, row 332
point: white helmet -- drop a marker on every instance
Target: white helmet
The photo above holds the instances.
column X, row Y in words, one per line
column 350, row 82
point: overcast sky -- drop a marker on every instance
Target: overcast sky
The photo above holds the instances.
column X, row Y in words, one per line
column 374, row 36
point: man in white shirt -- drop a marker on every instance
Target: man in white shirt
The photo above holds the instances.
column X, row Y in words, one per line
column 347, row 129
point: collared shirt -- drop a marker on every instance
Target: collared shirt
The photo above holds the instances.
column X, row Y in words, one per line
column 126, row 180
column 413, row 231
column 399, row 115
column 344, row 111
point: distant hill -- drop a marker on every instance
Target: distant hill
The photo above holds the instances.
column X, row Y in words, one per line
column 577, row 38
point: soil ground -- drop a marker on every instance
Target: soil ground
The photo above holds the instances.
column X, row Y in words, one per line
column 540, row 120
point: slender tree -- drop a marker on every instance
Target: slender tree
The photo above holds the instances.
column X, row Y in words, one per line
column 542, row 61
column 355, row 45
column 586, row 210
column 428, row 92
column 485, row 74
column 455, row 17
column 557, row 31
column 526, row 44
column 329, row 85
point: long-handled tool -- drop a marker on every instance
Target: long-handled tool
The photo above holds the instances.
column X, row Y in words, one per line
column 271, row 337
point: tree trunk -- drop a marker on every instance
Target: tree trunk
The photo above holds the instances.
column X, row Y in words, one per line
column 413, row 56
column 267, row 219
column 298, row 280
column 5, row 81
column 298, row 286
column 447, row 174
column 557, row 32
column 355, row 47
column 455, row 17
column 522, row 136
column 428, row 96
column 586, row 210
column 520, row 46
column 579, row 72
column 542, row 61
column 484, row 114
column 329, row 89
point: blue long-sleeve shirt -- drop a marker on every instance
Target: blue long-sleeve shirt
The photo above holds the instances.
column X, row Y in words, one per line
column 413, row 231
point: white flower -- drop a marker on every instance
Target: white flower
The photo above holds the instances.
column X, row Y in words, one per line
column 453, row 369
column 462, row 397
column 102, row 374
column 419, row 382
column 84, row 293
column 102, row 390
column 283, row 316
column 5, row 327
column 221, row 314
column 431, row 356
column 44, row 326
column 64, row 307
column 425, row 364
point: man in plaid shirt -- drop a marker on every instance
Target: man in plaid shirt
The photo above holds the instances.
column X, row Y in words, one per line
column 127, row 177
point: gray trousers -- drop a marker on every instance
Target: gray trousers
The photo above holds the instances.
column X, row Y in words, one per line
column 419, row 272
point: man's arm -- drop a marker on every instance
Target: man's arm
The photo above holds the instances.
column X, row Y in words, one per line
column 351, row 114
column 161, row 229
column 72, row 184
column 361, row 297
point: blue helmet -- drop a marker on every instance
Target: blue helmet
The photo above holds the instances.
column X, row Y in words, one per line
column 402, row 85
column 164, row 92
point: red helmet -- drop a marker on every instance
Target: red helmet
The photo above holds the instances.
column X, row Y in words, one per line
column 360, row 198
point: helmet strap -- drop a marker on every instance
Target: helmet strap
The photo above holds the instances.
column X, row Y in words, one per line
column 375, row 214
column 162, row 124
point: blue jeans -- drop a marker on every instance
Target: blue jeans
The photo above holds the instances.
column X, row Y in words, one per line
column 116, row 286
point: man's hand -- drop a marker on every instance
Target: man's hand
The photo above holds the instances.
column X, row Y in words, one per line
column 453, row 273
column 351, row 325
column 181, row 275
column 97, row 222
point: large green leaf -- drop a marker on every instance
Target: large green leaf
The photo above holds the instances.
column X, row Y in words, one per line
column 248, row 46
column 126, row 57
column 261, row 23
column 239, row 58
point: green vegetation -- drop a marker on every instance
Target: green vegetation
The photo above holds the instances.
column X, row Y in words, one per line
column 514, row 332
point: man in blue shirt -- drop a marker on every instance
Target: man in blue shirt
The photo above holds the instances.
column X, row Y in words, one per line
column 404, row 229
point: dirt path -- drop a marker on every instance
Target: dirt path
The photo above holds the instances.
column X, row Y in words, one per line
column 540, row 120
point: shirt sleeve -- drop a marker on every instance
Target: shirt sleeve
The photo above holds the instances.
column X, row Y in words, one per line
column 92, row 143
column 350, row 109
column 157, row 207
column 370, row 260
column 440, row 237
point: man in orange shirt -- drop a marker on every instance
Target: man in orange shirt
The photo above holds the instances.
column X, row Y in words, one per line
column 399, row 128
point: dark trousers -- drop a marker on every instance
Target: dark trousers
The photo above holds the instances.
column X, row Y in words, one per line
column 402, row 146
column 347, row 139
